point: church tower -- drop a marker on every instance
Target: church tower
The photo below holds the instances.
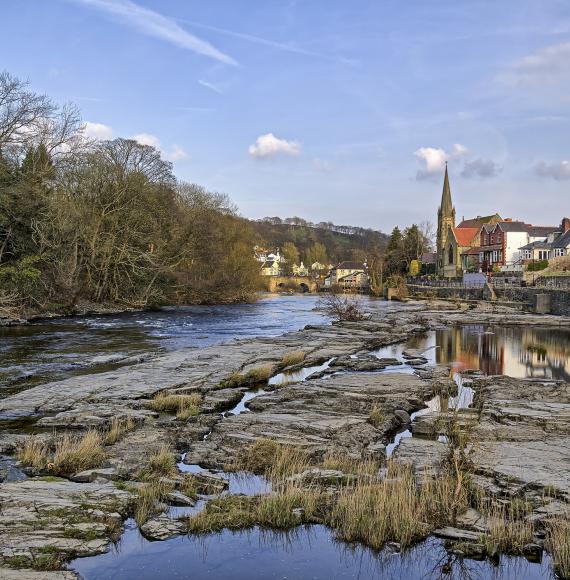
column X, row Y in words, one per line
column 445, row 220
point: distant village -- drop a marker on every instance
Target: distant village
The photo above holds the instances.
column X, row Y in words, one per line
column 485, row 245
column 492, row 244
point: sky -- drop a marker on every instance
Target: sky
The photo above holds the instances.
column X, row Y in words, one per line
column 325, row 109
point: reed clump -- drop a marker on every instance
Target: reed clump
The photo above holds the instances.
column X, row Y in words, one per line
column 253, row 377
column 183, row 406
column 65, row 454
column 34, row 452
column 272, row 459
column 507, row 533
column 396, row 508
column 118, row 429
column 558, row 544
column 149, row 499
column 350, row 465
column 293, row 357
column 161, row 463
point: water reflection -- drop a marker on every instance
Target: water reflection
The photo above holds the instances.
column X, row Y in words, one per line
column 308, row 552
column 514, row 351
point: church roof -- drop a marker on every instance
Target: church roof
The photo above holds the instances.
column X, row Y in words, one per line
column 479, row 221
column 465, row 236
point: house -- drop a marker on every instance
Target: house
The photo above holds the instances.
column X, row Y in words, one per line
column 501, row 244
column 345, row 269
column 318, row 267
column 300, row 270
column 553, row 245
column 358, row 281
column 270, row 268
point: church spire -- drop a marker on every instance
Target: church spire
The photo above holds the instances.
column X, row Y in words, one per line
column 446, row 207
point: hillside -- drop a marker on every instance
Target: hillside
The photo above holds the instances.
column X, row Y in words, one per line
column 340, row 242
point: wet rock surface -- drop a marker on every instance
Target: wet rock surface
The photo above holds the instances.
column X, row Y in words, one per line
column 522, row 427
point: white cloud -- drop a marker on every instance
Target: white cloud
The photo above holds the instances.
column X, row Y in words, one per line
column 268, row 146
column 147, row 139
column 97, row 131
column 434, row 159
column 546, row 66
column 211, row 86
column 558, row 171
column 174, row 153
column 154, row 24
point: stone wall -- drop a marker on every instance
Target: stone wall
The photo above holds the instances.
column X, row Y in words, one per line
column 559, row 299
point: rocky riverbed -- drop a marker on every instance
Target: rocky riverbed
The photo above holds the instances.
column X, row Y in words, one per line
column 519, row 428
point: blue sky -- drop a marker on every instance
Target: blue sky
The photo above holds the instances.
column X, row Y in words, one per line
column 327, row 109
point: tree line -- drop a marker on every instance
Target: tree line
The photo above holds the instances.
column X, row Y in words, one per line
column 106, row 221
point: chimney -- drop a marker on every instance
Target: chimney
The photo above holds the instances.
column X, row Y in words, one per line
column 565, row 225
column 508, row 220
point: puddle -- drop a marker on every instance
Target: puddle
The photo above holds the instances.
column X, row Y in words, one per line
column 248, row 396
column 297, row 376
column 310, row 552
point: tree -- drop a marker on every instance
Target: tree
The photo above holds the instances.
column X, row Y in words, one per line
column 395, row 258
column 316, row 253
column 291, row 255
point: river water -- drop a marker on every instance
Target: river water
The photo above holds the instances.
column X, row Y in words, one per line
column 61, row 348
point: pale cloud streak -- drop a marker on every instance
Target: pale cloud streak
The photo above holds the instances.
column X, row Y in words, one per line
column 211, row 86
column 155, row 24
column 546, row 66
column 269, row 146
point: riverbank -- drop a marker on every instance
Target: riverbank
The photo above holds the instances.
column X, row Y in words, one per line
column 362, row 398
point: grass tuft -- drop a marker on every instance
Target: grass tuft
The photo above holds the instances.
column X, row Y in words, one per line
column 34, row 452
column 558, row 543
column 149, row 499
column 183, row 406
column 376, row 417
column 161, row 463
column 507, row 532
column 293, row 357
column 119, row 428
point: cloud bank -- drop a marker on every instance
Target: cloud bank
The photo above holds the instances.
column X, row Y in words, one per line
column 558, row 171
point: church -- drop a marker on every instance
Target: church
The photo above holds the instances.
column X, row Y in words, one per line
column 457, row 246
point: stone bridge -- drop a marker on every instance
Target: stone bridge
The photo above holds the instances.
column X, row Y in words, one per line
column 295, row 283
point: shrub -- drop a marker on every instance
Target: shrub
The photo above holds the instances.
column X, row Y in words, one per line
column 537, row 266
column 341, row 307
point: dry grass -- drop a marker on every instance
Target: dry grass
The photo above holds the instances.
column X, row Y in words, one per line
column 119, row 428
column 293, row 357
column 184, row 406
column 395, row 508
column 289, row 507
column 75, row 453
column 34, row 453
column 342, row 462
column 149, row 498
column 558, row 544
column 376, row 417
column 72, row 453
column 161, row 463
column 254, row 376
column 270, row 458
column 507, row 533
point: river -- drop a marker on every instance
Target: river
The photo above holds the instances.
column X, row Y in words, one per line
column 55, row 349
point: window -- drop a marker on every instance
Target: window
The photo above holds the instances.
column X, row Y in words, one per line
column 450, row 256
column 527, row 254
